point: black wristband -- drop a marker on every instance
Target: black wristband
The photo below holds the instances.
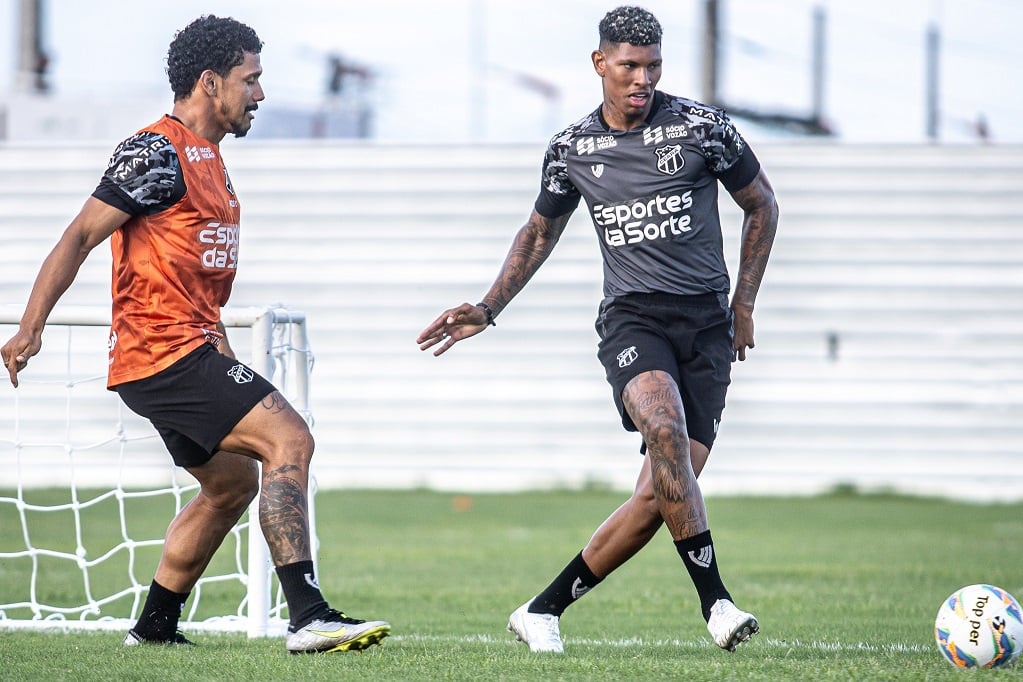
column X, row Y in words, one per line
column 490, row 313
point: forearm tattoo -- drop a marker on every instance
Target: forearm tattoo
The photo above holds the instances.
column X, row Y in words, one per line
column 533, row 243
column 760, row 223
column 284, row 515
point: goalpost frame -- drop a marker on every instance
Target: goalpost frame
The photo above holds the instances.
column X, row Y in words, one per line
column 261, row 320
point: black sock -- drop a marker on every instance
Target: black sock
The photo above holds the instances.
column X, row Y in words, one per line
column 574, row 581
column 160, row 614
column 302, row 592
column 698, row 556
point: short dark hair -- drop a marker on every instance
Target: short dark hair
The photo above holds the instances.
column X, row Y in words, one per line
column 629, row 24
column 209, row 42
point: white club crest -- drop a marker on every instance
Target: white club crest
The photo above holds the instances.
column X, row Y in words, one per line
column 627, row 356
column 670, row 159
column 240, row 373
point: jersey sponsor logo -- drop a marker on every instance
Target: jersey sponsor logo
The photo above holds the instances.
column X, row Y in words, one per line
column 709, row 114
column 724, row 129
column 597, row 169
column 670, row 159
column 241, row 374
column 673, row 132
column 653, row 135
column 133, row 157
column 194, row 153
column 222, row 240
column 644, row 219
column 659, row 134
column 588, row 145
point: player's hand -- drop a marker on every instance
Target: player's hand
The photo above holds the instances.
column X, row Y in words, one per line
column 452, row 326
column 742, row 329
column 17, row 351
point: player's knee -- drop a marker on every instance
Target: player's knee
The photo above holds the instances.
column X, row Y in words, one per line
column 305, row 444
column 666, row 436
column 294, row 446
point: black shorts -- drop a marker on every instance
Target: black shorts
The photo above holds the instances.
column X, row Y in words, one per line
column 196, row 402
column 689, row 337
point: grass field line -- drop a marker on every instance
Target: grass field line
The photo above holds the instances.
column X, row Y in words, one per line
column 780, row 644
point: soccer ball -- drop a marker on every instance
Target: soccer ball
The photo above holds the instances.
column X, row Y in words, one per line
column 979, row 626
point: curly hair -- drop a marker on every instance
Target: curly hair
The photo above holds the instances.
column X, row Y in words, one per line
column 628, row 24
column 209, row 42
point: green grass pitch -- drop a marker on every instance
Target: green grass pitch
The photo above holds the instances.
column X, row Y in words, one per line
column 846, row 587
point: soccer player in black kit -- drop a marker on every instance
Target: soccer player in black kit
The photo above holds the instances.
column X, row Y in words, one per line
column 647, row 165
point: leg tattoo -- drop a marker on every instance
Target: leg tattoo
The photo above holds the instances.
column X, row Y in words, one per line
column 653, row 402
column 284, row 515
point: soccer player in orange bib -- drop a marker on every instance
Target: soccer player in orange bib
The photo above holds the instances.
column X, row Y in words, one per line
column 167, row 205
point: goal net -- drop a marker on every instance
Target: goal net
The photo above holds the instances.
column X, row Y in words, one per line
column 87, row 488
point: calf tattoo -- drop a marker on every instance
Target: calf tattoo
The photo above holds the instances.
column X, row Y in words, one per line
column 284, row 515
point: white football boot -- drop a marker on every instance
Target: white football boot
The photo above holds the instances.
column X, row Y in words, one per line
column 729, row 626
column 539, row 630
column 336, row 632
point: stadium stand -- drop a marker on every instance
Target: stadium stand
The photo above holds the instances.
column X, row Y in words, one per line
column 888, row 327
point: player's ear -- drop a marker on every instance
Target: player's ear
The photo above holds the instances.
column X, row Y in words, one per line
column 208, row 82
column 599, row 62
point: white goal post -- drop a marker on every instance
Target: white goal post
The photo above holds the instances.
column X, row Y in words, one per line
column 74, row 458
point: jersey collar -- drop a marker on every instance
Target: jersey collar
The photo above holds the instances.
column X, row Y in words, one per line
column 658, row 101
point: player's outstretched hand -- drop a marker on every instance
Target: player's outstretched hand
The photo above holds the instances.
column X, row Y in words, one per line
column 17, row 351
column 452, row 326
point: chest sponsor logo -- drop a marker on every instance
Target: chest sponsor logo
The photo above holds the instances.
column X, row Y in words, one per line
column 659, row 134
column 220, row 246
column 632, row 222
column 653, row 135
column 670, row 159
column 194, row 154
column 588, row 145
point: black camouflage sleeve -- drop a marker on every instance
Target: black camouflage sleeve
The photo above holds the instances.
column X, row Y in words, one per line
column 143, row 176
column 726, row 153
column 558, row 195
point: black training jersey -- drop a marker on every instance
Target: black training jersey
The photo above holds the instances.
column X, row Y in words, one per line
column 652, row 193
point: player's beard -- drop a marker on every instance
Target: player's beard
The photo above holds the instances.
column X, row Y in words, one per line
column 241, row 126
